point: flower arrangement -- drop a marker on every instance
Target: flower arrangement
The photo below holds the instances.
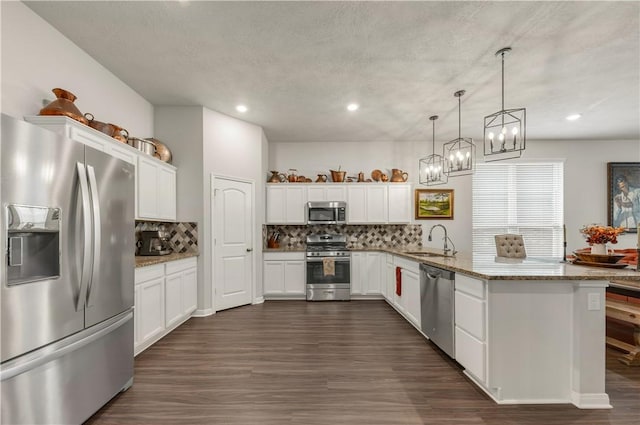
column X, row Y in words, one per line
column 597, row 234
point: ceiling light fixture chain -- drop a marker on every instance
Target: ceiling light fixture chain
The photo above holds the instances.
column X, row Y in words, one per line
column 460, row 153
column 511, row 145
column 431, row 168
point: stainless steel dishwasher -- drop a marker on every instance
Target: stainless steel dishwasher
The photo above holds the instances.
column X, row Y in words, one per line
column 437, row 306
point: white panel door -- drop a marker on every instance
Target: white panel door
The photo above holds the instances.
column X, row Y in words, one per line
column 273, row 277
column 357, row 272
column 294, row 274
column 336, row 193
column 189, row 290
column 233, row 242
column 276, row 196
column 373, row 277
column 411, row 296
column 296, row 201
column 316, row 193
column 150, row 310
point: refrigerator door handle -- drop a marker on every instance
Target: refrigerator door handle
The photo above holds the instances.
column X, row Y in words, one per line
column 86, row 219
column 97, row 239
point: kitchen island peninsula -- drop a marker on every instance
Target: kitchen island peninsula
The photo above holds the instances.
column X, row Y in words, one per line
column 530, row 331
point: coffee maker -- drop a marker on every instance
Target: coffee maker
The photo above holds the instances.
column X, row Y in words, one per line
column 155, row 242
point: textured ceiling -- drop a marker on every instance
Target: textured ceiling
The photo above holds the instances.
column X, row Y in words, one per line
column 297, row 64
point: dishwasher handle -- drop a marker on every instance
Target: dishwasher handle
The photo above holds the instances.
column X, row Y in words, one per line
column 435, row 272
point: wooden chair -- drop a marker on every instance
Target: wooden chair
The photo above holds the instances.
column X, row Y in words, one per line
column 510, row 246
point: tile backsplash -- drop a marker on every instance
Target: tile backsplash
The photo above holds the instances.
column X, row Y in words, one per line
column 358, row 236
column 184, row 236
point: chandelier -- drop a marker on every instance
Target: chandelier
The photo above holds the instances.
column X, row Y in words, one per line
column 432, row 167
column 460, row 153
column 505, row 130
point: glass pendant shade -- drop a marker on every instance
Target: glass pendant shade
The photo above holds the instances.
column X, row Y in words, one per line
column 432, row 167
column 459, row 154
column 505, row 131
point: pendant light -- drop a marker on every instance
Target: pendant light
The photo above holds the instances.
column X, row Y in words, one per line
column 432, row 167
column 460, row 153
column 505, row 130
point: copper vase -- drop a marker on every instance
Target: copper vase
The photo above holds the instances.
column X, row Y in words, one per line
column 64, row 105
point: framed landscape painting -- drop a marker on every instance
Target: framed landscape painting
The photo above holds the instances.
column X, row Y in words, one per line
column 623, row 195
column 434, row 204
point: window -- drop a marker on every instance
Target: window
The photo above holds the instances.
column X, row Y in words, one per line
column 522, row 198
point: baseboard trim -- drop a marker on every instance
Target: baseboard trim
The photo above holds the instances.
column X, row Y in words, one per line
column 258, row 300
column 203, row 313
column 591, row 400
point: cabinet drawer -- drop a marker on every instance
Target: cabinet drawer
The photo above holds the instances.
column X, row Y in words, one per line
column 143, row 274
column 470, row 353
column 469, row 312
column 283, row 256
column 471, row 286
column 404, row 263
column 180, row 265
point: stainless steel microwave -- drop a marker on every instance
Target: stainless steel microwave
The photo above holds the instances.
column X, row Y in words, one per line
column 326, row 212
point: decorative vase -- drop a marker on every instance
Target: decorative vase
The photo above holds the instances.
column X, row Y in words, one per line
column 599, row 249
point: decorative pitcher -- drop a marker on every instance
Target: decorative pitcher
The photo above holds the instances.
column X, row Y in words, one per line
column 398, row 175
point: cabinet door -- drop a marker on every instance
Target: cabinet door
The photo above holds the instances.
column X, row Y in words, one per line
column 399, row 203
column 296, row 199
column 390, row 281
column 166, row 193
column 189, row 291
column 336, row 193
column 147, row 188
column 376, row 202
column 275, row 204
column 316, row 193
column 150, row 309
column 273, row 277
column 294, row 274
column 358, row 274
column 173, row 299
column 411, row 296
column 373, row 280
column 470, row 353
column 356, row 204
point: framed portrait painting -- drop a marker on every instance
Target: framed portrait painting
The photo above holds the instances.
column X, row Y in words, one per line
column 623, row 195
column 434, row 204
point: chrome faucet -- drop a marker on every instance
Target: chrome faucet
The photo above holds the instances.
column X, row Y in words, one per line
column 446, row 238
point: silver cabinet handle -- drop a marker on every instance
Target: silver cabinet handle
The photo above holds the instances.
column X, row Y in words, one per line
column 86, row 237
column 97, row 240
column 249, row 249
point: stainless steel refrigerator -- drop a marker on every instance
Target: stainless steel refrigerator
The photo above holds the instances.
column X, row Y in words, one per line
column 67, row 223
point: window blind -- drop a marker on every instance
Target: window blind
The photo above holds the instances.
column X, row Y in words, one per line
column 521, row 198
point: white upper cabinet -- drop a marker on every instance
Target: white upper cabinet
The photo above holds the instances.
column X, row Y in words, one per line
column 330, row 193
column 367, row 203
column 286, row 204
column 156, row 190
column 399, row 203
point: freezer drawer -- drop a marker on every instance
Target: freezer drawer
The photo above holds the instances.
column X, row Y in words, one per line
column 66, row 382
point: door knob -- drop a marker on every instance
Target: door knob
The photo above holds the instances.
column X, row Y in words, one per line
column 249, row 249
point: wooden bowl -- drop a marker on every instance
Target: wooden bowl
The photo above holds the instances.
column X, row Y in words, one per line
column 598, row 258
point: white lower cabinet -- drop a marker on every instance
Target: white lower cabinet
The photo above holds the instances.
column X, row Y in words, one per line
column 165, row 297
column 470, row 325
column 284, row 274
column 367, row 273
column 408, row 302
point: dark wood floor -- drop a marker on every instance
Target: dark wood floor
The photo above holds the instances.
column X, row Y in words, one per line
column 293, row 362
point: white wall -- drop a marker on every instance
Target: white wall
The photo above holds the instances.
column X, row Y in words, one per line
column 234, row 148
column 585, row 177
column 37, row 58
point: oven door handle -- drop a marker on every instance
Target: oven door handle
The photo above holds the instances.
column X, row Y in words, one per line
column 320, row 259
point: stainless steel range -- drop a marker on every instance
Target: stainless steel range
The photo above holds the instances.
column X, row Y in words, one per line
column 328, row 268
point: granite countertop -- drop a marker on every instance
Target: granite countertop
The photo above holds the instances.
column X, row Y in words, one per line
column 150, row 260
column 518, row 269
column 500, row 269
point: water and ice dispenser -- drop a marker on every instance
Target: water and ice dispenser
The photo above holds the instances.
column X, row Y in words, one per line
column 33, row 243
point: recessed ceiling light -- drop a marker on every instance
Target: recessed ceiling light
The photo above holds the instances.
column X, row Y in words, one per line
column 353, row 106
column 573, row 117
column 242, row 108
